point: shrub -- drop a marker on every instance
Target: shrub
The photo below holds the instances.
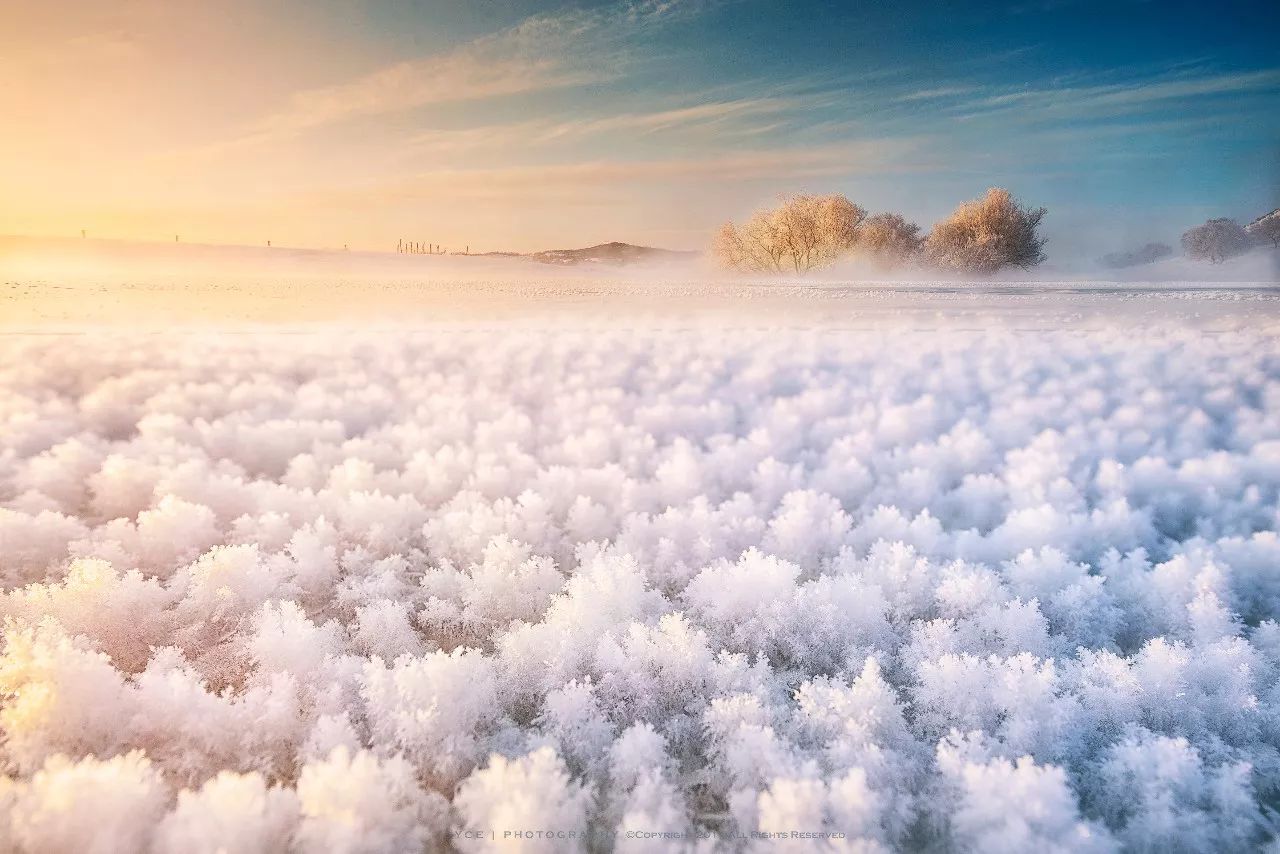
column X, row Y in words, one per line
column 986, row 235
column 889, row 240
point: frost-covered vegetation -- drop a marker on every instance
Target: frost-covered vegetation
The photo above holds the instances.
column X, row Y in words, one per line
column 935, row 591
column 1216, row 240
column 1266, row 229
column 804, row 233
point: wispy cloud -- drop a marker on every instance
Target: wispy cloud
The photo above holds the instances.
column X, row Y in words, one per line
column 543, row 52
column 698, row 114
column 746, row 116
column 579, row 180
column 937, row 93
column 1116, row 98
column 464, row 75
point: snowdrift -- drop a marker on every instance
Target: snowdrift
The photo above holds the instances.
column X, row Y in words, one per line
column 546, row 590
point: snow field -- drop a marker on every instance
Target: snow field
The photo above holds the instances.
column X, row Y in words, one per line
column 946, row 591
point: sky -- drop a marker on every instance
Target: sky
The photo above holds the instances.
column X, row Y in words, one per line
column 520, row 125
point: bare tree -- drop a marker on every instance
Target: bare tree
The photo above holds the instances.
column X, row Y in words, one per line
column 803, row 233
column 1266, row 227
column 888, row 239
column 1216, row 240
column 986, row 235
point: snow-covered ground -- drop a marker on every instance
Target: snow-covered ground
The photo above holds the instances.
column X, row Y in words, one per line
column 84, row 284
column 977, row 570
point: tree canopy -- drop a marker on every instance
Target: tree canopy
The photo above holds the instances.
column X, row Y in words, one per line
column 801, row 234
column 1216, row 240
column 986, row 235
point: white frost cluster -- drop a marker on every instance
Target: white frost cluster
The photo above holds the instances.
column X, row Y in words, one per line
column 555, row 590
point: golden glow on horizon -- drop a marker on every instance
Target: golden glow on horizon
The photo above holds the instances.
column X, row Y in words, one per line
column 142, row 119
column 330, row 123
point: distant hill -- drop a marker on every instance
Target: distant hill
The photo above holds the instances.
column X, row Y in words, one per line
column 1147, row 254
column 1275, row 214
column 1266, row 228
column 609, row 253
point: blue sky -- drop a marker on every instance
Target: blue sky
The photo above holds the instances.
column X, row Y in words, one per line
column 523, row 125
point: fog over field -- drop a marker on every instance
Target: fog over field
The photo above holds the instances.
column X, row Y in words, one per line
column 79, row 284
column 976, row 568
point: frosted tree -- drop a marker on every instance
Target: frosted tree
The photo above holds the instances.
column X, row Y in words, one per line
column 749, row 248
column 1215, row 241
column 888, row 239
column 801, row 234
column 1266, row 228
column 987, row 235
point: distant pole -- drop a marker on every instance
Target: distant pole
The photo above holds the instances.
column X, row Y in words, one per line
column 268, row 244
column 175, row 238
column 467, row 251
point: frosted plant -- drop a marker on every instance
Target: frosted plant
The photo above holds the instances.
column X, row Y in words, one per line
column 931, row 591
column 1017, row 805
column 356, row 803
column 95, row 806
column 61, row 697
column 1158, row 792
column 530, row 803
column 230, row 812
